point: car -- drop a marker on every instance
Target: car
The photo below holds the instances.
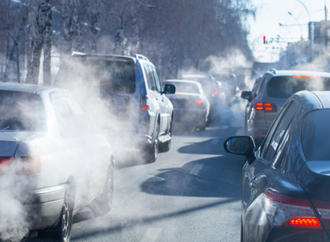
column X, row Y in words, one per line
column 141, row 112
column 270, row 93
column 191, row 107
column 212, row 91
column 228, row 83
column 53, row 160
column 285, row 182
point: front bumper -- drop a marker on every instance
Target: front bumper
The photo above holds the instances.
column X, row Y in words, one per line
column 43, row 206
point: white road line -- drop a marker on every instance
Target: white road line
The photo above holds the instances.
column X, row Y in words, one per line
column 215, row 141
column 151, row 235
column 196, row 169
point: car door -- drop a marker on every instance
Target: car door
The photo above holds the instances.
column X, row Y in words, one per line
column 79, row 147
column 254, row 180
column 164, row 103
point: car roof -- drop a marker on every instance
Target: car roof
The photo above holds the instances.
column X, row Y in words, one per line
column 182, row 81
column 22, row 87
column 195, row 76
column 298, row 73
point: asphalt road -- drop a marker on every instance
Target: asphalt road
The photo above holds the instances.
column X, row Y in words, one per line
column 191, row 193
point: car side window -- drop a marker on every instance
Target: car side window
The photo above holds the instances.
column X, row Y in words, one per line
column 280, row 129
column 81, row 119
column 150, row 78
column 156, row 78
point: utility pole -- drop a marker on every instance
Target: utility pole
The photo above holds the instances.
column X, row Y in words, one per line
column 325, row 11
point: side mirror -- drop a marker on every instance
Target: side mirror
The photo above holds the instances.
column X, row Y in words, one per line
column 169, row 89
column 241, row 145
column 246, row 95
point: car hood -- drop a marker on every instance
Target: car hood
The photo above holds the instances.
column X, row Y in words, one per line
column 10, row 140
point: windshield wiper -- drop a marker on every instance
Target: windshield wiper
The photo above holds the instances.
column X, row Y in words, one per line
column 1, row 130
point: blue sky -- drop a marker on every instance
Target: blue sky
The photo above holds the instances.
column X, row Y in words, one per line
column 272, row 12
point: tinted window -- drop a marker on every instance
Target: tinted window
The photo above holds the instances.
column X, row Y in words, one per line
column 150, row 78
column 21, row 111
column 280, row 130
column 284, row 86
column 207, row 85
column 112, row 76
column 316, row 135
column 156, row 78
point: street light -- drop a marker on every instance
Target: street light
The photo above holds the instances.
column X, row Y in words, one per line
column 298, row 24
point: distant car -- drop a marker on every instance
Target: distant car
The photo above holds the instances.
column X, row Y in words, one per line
column 61, row 161
column 285, row 191
column 228, row 82
column 212, row 91
column 141, row 112
column 270, row 93
column 190, row 105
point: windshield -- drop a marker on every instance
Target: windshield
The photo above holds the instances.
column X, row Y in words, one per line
column 316, row 136
column 21, row 111
column 285, row 86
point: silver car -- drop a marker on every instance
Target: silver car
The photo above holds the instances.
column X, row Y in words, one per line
column 53, row 161
column 270, row 93
column 190, row 104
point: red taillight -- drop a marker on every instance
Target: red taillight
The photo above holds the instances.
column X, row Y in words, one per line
column 178, row 91
column 4, row 162
column 144, row 107
column 198, row 102
column 286, row 211
column 266, row 107
column 21, row 165
column 308, row 222
column 215, row 93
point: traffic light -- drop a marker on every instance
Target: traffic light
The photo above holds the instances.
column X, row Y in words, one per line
column 264, row 38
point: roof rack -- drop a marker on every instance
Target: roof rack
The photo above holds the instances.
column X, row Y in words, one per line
column 77, row 53
column 138, row 56
column 273, row 70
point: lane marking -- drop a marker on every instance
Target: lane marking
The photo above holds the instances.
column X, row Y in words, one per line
column 151, row 235
column 196, row 169
column 215, row 141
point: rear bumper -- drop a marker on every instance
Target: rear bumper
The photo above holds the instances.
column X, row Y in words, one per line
column 189, row 116
column 44, row 206
column 284, row 235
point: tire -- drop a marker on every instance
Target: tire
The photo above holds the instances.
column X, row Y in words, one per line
column 62, row 231
column 102, row 204
column 151, row 153
column 202, row 126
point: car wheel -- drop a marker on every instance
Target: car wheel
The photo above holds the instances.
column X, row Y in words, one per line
column 202, row 126
column 62, row 232
column 241, row 231
column 151, row 153
column 102, row 204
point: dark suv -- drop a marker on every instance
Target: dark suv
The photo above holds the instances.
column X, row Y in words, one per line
column 270, row 92
column 141, row 114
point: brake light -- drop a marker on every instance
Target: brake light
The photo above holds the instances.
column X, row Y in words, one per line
column 198, row 102
column 305, row 222
column 286, row 211
column 266, row 107
column 144, row 107
column 178, row 91
column 20, row 165
column 4, row 162
column 215, row 93
column 306, row 76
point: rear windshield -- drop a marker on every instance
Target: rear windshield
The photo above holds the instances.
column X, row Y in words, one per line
column 21, row 111
column 111, row 76
column 316, row 135
column 285, row 86
column 207, row 85
column 182, row 87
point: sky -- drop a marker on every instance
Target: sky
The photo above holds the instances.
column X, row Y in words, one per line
column 272, row 12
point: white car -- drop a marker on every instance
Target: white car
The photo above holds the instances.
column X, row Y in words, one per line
column 53, row 161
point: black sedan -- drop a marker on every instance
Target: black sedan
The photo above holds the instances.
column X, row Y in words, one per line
column 285, row 183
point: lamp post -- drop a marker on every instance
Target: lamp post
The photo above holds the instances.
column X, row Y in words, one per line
column 311, row 29
column 298, row 24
